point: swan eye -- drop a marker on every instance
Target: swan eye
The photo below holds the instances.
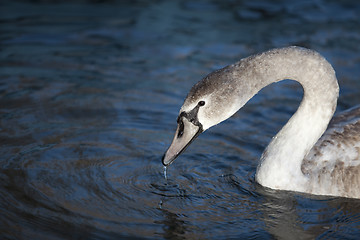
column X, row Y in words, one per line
column 201, row 103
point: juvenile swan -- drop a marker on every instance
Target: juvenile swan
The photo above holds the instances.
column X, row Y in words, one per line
column 303, row 156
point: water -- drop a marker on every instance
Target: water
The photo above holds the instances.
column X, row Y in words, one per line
column 89, row 95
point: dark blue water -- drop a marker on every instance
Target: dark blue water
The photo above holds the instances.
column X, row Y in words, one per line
column 89, row 95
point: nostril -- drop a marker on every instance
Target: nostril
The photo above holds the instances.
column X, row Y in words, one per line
column 181, row 129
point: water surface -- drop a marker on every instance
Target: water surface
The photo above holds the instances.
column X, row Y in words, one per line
column 89, row 95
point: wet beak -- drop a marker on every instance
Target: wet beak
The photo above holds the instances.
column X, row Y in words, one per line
column 185, row 133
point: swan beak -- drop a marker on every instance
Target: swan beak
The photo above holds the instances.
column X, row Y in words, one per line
column 185, row 133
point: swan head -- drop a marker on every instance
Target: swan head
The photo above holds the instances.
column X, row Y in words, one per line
column 209, row 102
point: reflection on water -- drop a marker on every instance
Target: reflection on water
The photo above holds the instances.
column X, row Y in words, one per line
column 89, row 95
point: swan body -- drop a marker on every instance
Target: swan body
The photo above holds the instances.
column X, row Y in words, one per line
column 305, row 155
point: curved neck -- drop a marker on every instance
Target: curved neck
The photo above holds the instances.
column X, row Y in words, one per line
column 280, row 164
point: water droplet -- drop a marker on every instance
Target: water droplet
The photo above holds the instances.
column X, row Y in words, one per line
column 165, row 173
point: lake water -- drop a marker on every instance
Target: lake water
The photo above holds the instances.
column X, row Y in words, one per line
column 89, row 95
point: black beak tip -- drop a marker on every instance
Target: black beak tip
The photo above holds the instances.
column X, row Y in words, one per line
column 167, row 162
column 162, row 160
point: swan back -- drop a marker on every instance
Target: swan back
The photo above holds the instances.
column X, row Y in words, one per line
column 333, row 164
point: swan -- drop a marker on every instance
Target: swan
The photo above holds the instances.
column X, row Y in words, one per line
column 304, row 156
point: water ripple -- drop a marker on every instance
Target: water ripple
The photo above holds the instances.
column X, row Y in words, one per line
column 89, row 95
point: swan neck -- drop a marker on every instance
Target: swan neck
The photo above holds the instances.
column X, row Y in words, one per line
column 280, row 164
